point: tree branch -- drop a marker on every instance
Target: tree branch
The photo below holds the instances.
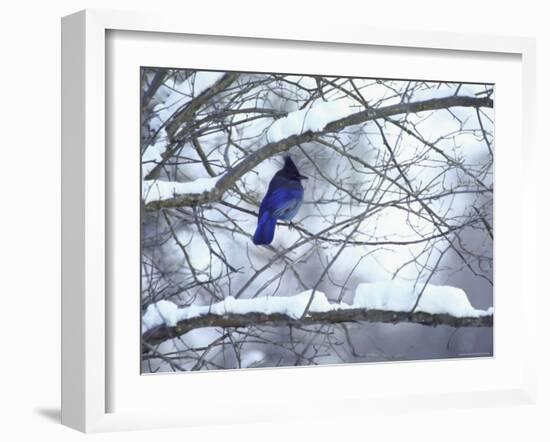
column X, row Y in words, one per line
column 184, row 114
column 163, row 333
column 271, row 149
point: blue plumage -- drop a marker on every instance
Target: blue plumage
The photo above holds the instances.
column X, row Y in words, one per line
column 282, row 201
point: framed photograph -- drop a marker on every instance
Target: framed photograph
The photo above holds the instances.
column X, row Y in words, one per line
column 277, row 209
column 285, row 223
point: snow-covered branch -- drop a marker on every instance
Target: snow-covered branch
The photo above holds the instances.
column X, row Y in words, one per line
column 159, row 190
column 386, row 302
column 308, row 134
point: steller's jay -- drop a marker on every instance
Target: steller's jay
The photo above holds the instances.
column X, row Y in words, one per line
column 282, row 201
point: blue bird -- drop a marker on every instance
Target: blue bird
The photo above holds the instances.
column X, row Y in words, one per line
column 282, row 201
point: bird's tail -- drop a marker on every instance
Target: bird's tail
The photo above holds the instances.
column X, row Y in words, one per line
column 265, row 230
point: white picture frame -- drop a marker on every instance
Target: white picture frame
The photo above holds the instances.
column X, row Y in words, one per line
column 85, row 211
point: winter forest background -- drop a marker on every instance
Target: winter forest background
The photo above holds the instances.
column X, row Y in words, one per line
column 389, row 258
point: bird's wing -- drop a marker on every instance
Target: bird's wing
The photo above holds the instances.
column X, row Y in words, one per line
column 281, row 202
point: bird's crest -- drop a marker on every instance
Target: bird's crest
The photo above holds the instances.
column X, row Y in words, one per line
column 290, row 170
column 289, row 164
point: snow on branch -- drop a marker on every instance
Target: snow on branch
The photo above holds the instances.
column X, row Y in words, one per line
column 387, row 302
column 311, row 119
column 158, row 190
column 291, row 131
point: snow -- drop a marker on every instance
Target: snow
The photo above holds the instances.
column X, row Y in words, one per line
column 161, row 312
column 204, row 80
column 401, row 296
column 252, row 358
column 162, row 190
column 153, row 153
column 313, row 118
column 292, row 306
column 388, row 295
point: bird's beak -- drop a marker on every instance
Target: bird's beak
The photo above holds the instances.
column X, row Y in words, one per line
column 302, row 177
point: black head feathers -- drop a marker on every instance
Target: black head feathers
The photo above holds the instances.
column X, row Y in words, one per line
column 290, row 170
